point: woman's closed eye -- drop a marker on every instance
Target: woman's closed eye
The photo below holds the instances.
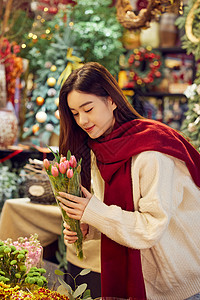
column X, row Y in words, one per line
column 88, row 110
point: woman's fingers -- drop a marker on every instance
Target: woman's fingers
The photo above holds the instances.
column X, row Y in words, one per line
column 68, row 202
column 84, row 228
column 69, row 197
column 69, row 236
column 74, row 205
column 85, row 192
column 72, row 213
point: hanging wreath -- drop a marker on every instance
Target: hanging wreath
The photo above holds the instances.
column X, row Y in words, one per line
column 189, row 22
column 145, row 67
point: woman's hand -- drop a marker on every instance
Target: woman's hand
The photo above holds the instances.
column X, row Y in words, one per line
column 73, row 205
column 71, row 236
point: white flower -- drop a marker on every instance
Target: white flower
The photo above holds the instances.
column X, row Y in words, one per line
column 196, row 108
column 198, row 89
column 197, row 121
column 192, row 127
column 190, row 90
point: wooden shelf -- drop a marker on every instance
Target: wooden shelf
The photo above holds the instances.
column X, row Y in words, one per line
column 154, row 94
column 171, row 50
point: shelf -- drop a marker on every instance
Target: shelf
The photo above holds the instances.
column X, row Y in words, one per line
column 172, row 50
column 161, row 95
column 154, row 94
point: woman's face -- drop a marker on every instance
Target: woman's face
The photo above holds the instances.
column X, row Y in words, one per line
column 92, row 113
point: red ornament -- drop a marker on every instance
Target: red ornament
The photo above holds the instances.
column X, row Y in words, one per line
column 158, row 74
column 152, row 55
column 45, row 1
column 137, row 63
column 130, row 85
column 53, row 10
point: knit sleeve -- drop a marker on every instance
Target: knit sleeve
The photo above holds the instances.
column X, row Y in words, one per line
column 154, row 182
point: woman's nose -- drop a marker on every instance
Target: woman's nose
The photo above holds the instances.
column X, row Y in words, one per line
column 83, row 119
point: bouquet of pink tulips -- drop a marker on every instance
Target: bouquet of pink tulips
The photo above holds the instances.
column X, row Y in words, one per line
column 64, row 175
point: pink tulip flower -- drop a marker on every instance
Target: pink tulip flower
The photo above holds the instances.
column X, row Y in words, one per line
column 54, row 171
column 62, row 168
column 46, row 163
column 56, row 164
column 63, row 158
column 72, row 161
column 66, row 162
column 70, row 173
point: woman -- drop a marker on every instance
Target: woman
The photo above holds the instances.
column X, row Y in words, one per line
column 150, row 177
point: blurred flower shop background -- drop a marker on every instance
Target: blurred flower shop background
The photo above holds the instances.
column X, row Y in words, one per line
column 151, row 47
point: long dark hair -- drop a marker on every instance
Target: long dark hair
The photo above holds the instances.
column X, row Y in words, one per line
column 91, row 78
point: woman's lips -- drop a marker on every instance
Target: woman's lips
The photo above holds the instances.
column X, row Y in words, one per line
column 89, row 128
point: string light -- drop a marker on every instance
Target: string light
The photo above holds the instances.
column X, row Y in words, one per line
column 23, row 46
column 48, row 31
column 181, row 8
column 34, row 37
column 30, row 35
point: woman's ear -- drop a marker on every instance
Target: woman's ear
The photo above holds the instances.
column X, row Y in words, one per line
column 113, row 104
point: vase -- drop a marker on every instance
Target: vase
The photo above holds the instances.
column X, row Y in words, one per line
column 9, row 128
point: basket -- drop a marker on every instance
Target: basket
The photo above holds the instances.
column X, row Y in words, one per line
column 37, row 185
column 38, row 189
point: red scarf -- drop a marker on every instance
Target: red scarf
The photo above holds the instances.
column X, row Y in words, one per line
column 121, row 266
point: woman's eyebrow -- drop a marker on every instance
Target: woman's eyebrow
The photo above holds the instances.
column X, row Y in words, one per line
column 86, row 103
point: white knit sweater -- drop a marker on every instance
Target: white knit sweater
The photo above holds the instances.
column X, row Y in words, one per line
column 165, row 225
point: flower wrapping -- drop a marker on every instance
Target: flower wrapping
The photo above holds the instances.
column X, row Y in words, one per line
column 64, row 176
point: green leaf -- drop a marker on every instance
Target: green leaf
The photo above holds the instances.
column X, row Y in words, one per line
column 57, row 130
column 64, row 291
column 58, row 272
column 68, row 154
column 46, row 136
column 27, row 133
column 65, row 285
column 56, row 156
column 80, row 290
column 87, row 294
column 85, row 272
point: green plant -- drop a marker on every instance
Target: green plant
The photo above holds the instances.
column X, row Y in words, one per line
column 61, row 253
column 97, row 32
column 13, row 269
column 34, row 276
column 9, row 184
column 189, row 22
column 80, row 291
column 53, row 66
